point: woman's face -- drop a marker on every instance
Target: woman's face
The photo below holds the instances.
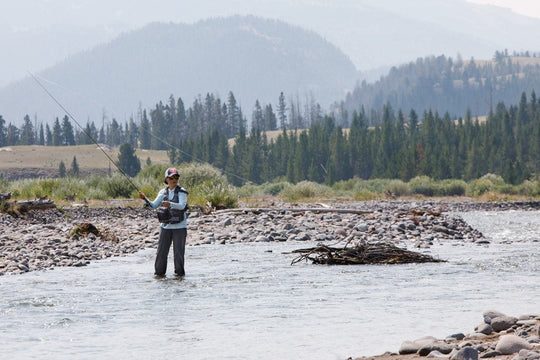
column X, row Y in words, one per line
column 172, row 181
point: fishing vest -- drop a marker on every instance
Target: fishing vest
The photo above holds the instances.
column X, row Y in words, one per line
column 168, row 215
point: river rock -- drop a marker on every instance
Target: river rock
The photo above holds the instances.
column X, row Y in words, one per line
column 501, row 323
column 484, row 329
column 466, row 353
column 490, row 314
column 511, row 344
column 528, row 355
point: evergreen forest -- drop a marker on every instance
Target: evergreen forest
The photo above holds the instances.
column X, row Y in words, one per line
column 442, row 84
column 312, row 146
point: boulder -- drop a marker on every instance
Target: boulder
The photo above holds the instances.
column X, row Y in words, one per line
column 511, row 344
column 501, row 323
column 491, row 314
column 467, row 353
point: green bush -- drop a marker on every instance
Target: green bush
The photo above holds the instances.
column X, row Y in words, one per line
column 480, row 186
column 529, row 188
column 364, row 195
column 397, row 187
column 452, row 187
column 117, row 186
column 154, row 171
column 250, row 189
column 275, row 188
column 304, row 190
column 69, row 186
column 194, row 174
column 496, row 180
column 423, row 185
column 213, row 194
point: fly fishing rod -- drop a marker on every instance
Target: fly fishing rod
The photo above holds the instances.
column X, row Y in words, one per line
column 87, row 134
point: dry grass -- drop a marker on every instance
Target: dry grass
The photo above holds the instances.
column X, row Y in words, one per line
column 49, row 157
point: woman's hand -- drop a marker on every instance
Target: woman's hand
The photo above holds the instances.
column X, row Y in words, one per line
column 141, row 195
column 166, row 203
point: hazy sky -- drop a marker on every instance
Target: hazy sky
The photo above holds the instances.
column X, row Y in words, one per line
column 39, row 33
column 29, row 13
column 523, row 7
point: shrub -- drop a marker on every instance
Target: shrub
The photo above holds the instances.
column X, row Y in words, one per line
column 117, row 186
column 154, row 171
column 275, row 188
column 496, row 180
column 215, row 195
column 364, row 195
column 452, row 187
column 304, row 189
column 480, row 186
column 423, row 185
column 529, row 188
column 70, row 186
column 194, row 174
column 397, row 187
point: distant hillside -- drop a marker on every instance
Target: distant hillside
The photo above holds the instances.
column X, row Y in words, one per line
column 444, row 84
column 252, row 57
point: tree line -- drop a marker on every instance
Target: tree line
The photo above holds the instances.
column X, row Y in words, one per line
column 443, row 84
column 402, row 146
column 315, row 146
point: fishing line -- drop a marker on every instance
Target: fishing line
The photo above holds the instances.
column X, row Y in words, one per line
column 191, row 156
column 86, row 133
column 145, row 131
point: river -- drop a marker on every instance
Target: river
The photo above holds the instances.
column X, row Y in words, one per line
column 246, row 301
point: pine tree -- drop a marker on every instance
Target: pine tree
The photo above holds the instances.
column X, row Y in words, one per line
column 3, row 130
column 145, row 132
column 74, row 170
column 68, row 137
column 128, row 161
column 282, row 111
column 62, row 170
column 27, row 133
column 57, row 134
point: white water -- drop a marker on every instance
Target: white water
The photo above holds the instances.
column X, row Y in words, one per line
column 246, row 301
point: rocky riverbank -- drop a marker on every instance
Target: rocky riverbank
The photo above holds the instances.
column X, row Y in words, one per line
column 498, row 336
column 45, row 239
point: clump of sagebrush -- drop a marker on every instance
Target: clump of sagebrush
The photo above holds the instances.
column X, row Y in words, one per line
column 423, row 185
column 305, row 190
column 56, row 189
column 252, row 190
column 207, row 186
column 397, row 188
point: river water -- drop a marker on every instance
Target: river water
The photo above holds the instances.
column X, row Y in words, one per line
column 246, row 301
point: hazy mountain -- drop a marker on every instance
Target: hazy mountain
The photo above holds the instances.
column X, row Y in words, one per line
column 252, row 57
column 373, row 33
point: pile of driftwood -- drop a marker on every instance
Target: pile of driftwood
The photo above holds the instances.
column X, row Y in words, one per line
column 361, row 253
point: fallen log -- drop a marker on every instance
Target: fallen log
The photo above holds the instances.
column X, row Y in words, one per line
column 4, row 197
column 41, row 204
column 362, row 253
column 257, row 211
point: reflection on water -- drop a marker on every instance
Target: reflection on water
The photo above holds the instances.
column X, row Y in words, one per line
column 245, row 301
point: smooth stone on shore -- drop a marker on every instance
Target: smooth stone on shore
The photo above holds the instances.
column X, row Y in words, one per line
column 412, row 347
column 511, row 344
column 438, row 355
column 491, row 314
column 490, row 354
column 528, row 355
column 467, row 353
column 484, row 329
column 408, row 347
column 501, row 323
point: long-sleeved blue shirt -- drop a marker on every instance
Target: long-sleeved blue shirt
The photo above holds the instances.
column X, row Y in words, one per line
column 180, row 205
